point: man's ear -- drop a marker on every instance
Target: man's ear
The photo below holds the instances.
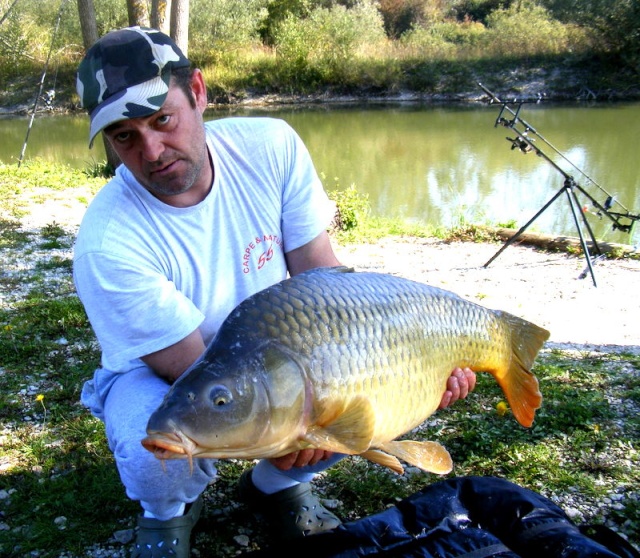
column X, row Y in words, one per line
column 199, row 89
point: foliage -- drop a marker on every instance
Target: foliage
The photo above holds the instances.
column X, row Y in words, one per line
column 219, row 27
column 401, row 16
column 477, row 10
column 278, row 12
column 352, row 208
column 522, row 31
column 323, row 46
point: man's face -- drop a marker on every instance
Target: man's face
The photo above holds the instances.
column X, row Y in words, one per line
column 166, row 151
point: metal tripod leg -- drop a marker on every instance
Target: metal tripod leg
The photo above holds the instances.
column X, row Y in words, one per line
column 573, row 201
column 524, row 227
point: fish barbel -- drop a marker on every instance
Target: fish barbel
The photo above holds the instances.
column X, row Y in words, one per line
column 342, row 361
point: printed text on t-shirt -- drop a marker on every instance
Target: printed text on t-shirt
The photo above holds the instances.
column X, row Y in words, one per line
column 260, row 250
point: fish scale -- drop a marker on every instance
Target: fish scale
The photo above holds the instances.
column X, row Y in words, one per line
column 341, row 361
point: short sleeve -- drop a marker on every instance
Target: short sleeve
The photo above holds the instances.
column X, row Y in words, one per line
column 306, row 208
column 133, row 308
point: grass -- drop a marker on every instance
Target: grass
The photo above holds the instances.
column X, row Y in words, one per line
column 60, row 493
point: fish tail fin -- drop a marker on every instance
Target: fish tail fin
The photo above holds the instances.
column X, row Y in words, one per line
column 520, row 386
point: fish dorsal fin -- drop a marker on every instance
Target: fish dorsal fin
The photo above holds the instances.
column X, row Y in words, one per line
column 344, row 429
column 382, row 458
column 428, row 456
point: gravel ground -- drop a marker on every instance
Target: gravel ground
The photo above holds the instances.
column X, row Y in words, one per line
column 540, row 286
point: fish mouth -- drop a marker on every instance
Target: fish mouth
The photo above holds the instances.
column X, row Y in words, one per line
column 170, row 445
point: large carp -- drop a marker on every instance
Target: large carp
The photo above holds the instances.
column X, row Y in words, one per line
column 344, row 361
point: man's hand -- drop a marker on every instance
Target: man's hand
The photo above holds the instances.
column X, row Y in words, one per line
column 459, row 385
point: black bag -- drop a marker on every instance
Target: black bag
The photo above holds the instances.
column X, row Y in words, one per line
column 464, row 517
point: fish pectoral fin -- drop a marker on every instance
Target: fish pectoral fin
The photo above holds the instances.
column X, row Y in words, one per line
column 350, row 431
column 428, row 456
column 382, row 458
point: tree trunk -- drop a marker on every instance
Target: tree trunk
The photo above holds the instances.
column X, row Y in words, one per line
column 89, row 27
column 138, row 13
column 180, row 24
column 159, row 11
column 88, row 24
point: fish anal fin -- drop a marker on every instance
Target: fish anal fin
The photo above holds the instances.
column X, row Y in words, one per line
column 382, row 458
column 520, row 386
column 428, row 456
column 343, row 428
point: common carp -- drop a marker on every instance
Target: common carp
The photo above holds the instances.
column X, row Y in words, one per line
column 343, row 361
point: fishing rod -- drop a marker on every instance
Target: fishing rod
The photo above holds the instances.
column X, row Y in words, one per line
column 44, row 75
column 622, row 220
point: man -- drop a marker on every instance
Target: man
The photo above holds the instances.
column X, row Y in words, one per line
column 198, row 218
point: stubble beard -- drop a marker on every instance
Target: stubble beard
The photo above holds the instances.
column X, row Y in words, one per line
column 174, row 186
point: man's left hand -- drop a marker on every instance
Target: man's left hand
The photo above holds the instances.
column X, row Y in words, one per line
column 459, row 385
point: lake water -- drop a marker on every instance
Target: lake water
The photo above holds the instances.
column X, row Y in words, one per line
column 434, row 165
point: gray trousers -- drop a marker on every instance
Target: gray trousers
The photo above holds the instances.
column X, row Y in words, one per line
column 125, row 404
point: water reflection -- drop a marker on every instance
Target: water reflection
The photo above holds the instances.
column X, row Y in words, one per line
column 436, row 165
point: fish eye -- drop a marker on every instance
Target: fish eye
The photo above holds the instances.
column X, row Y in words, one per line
column 220, row 396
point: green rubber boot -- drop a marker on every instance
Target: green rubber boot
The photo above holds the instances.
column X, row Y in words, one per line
column 166, row 539
column 294, row 512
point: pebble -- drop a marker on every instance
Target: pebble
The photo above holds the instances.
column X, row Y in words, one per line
column 573, row 513
column 242, row 540
column 124, row 536
column 331, row 504
column 6, row 494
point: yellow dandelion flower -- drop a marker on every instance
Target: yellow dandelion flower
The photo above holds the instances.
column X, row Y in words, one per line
column 39, row 397
column 502, row 408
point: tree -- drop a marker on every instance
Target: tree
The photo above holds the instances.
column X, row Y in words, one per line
column 138, row 13
column 179, row 28
column 159, row 11
column 88, row 23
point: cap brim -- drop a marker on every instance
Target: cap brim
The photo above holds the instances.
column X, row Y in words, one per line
column 134, row 102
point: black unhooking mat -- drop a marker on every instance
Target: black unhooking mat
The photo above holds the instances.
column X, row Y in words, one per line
column 470, row 517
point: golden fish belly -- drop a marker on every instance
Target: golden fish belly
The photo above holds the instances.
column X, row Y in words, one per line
column 401, row 363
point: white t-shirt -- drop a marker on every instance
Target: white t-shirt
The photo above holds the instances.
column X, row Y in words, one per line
column 149, row 274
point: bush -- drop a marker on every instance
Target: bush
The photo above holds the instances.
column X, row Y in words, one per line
column 466, row 33
column 402, row 15
column 323, row 45
column 525, row 31
column 477, row 10
column 423, row 43
column 352, row 208
column 219, row 28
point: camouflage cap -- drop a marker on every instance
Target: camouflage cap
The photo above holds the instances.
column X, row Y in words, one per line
column 126, row 75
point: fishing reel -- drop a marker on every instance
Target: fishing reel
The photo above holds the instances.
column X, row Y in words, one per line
column 521, row 144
